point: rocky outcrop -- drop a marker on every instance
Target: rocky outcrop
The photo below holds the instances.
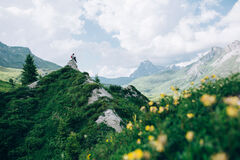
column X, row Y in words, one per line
column 33, row 85
column 111, row 119
column 73, row 64
column 97, row 93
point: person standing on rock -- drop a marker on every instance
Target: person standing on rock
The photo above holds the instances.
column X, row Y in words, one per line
column 73, row 57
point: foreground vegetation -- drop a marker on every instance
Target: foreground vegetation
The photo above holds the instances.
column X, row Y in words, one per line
column 55, row 121
column 200, row 123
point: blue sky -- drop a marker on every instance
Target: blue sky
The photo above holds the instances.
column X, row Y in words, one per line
column 110, row 38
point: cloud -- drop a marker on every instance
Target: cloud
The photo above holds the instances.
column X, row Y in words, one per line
column 164, row 28
column 163, row 31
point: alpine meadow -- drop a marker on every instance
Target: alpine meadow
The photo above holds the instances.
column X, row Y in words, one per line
column 120, row 80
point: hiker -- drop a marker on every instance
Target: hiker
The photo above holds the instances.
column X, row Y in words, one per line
column 73, row 57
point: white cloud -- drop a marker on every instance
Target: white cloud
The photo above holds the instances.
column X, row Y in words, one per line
column 163, row 31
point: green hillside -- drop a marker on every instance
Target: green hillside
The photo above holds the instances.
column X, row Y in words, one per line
column 217, row 62
column 56, row 120
column 14, row 57
column 6, row 87
column 200, row 123
column 7, row 73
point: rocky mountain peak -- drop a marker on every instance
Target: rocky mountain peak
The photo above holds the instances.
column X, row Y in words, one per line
column 73, row 64
column 233, row 46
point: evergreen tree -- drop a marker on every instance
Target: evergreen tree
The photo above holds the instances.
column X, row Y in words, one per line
column 29, row 73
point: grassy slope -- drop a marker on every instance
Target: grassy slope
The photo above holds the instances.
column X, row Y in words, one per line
column 217, row 131
column 7, row 73
column 53, row 120
column 5, row 86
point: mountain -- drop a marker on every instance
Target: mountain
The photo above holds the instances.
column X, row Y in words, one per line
column 218, row 61
column 14, row 57
column 116, row 81
column 145, row 68
column 63, row 115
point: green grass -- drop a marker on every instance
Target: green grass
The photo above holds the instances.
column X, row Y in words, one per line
column 7, row 73
column 54, row 121
column 217, row 131
column 5, row 86
column 51, row 121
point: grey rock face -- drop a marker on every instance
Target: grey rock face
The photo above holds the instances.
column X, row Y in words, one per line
column 111, row 119
column 33, row 85
column 97, row 93
column 73, row 65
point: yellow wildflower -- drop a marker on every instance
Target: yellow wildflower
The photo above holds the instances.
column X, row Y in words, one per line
column 135, row 155
column 159, row 147
column 189, row 136
column 202, row 80
column 146, row 155
column 201, row 142
column 149, row 128
column 162, row 138
column 130, row 126
column 172, row 88
column 232, row 111
column 88, row 156
column 219, row 156
column 161, row 109
column 176, row 102
column 150, row 103
column 208, row 100
column 162, row 95
column 107, row 140
column 140, row 133
column 143, row 109
column 234, row 101
column 138, row 154
column 192, row 83
column 150, row 138
column 186, row 95
column 214, row 76
column 193, row 101
column 153, row 109
column 206, row 77
column 138, row 141
column 190, row 115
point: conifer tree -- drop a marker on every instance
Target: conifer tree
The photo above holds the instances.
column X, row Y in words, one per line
column 29, row 73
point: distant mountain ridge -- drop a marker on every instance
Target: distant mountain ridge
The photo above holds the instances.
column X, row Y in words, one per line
column 219, row 61
column 14, row 57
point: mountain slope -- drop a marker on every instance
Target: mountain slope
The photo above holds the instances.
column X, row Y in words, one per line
column 14, row 57
column 219, row 61
column 58, row 119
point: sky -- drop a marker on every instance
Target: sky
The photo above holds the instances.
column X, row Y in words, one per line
column 111, row 37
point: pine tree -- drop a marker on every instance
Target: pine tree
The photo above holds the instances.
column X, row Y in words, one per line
column 29, row 73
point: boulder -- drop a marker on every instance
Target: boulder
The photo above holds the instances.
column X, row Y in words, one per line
column 111, row 119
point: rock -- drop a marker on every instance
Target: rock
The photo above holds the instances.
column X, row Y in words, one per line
column 73, row 65
column 33, row 85
column 96, row 93
column 111, row 119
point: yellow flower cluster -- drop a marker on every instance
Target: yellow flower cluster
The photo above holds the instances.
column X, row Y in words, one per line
column 162, row 95
column 159, row 143
column 232, row 111
column 186, row 94
column 153, row 109
column 190, row 115
column 143, row 109
column 172, row 88
column 130, row 126
column 161, row 109
column 233, row 101
column 234, row 106
column 149, row 128
column 189, row 136
column 208, row 100
column 137, row 155
column 219, row 156
column 88, row 156
column 138, row 141
column 150, row 103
